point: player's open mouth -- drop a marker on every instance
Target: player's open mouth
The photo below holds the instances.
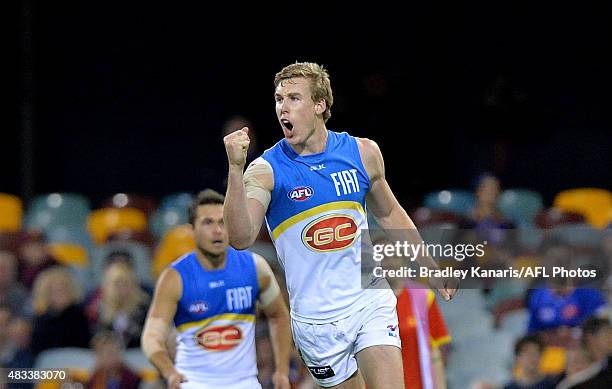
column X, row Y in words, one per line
column 218, row 241
column 287, row 124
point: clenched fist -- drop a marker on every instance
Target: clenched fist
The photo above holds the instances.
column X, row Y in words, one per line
column 236, row 146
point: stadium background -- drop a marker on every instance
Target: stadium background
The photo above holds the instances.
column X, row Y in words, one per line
column 132, row 97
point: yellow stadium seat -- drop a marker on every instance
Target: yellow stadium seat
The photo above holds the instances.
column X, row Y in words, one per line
column 176, row 242
column 593, row 203
column 11, row 213
column 104, row 222
column 69, row 254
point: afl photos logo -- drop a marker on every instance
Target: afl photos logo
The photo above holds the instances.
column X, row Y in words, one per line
column 219, row 338
column 301, row 193
column 330, row 233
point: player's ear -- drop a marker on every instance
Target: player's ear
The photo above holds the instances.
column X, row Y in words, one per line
column 320, row 107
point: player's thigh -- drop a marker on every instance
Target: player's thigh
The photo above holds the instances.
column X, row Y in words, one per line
column 354, row 382
column 381, row 367
column 327, row 352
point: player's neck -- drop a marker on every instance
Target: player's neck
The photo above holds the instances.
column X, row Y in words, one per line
column 210, row 261
column 315, row 144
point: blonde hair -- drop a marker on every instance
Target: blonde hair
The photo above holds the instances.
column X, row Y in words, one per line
column 319, row 82
column 41, row 294
column 111, row 304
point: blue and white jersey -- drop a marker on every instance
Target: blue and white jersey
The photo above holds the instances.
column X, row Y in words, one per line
column 315, row 218
column 215, row 319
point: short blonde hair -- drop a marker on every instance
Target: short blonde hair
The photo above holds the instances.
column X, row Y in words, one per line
column 320, row 86
column 41, row 294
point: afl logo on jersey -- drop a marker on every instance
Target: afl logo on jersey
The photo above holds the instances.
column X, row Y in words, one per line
column 198, row 307
column 330, row 233
column 301, row 193
column 219, row 338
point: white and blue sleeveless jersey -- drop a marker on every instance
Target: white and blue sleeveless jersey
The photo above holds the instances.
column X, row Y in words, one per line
column 215, row 319
column 315, row 217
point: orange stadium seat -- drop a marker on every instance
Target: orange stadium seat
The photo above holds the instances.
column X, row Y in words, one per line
column 176, row 242
column 104, row 222
column 11, row 213
column 595, row 204
column 69, row 254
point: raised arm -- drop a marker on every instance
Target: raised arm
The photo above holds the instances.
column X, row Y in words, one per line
column 248, row 193
column 390, row 215
column 273, row 305
column 157, row 326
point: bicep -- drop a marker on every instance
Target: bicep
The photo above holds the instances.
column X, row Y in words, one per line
column 167, row 294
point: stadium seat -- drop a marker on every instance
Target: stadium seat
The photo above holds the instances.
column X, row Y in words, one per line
column 69, row 254
column 552, row 217
column 180, row 200
column 81, row 360
column 106, row 221
column 515, row 323
column 520, row 206
column 578, row 235
column 176, row 242
column 11, row 213
column 488, row 356
column 167, row 218
column 57, row 209
column 140, row 254
column 595, row 204
column 458, row 201
column 64, row 234
column 131, row 200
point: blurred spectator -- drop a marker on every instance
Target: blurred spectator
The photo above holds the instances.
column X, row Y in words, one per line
column 553, row 307
column 59, row 320
column 20, row 334
column 5, row 346
column 485, row 218
column 34, row 257
column 121, row 306
column 559, row 303
column 597, row 339
column 110, row 370
column 11, row 292
column 527, row 353
column 578, row 363
column 485, row 210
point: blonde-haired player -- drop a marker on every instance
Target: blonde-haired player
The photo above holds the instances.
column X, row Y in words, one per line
column 312, row 188
column 210, row 295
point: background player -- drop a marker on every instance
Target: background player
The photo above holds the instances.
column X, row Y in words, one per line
column 211, row 294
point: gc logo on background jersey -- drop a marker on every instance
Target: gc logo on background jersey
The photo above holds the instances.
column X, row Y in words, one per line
column 219, row 338
column 330, row 233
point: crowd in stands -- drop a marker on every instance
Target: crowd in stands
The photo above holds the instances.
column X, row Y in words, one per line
column 74, row 277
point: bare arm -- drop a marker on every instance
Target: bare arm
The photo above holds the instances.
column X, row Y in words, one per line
column 388, row 212
column 157, row 326
column 242, row 216
column 437, row 365
column 274, row 307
